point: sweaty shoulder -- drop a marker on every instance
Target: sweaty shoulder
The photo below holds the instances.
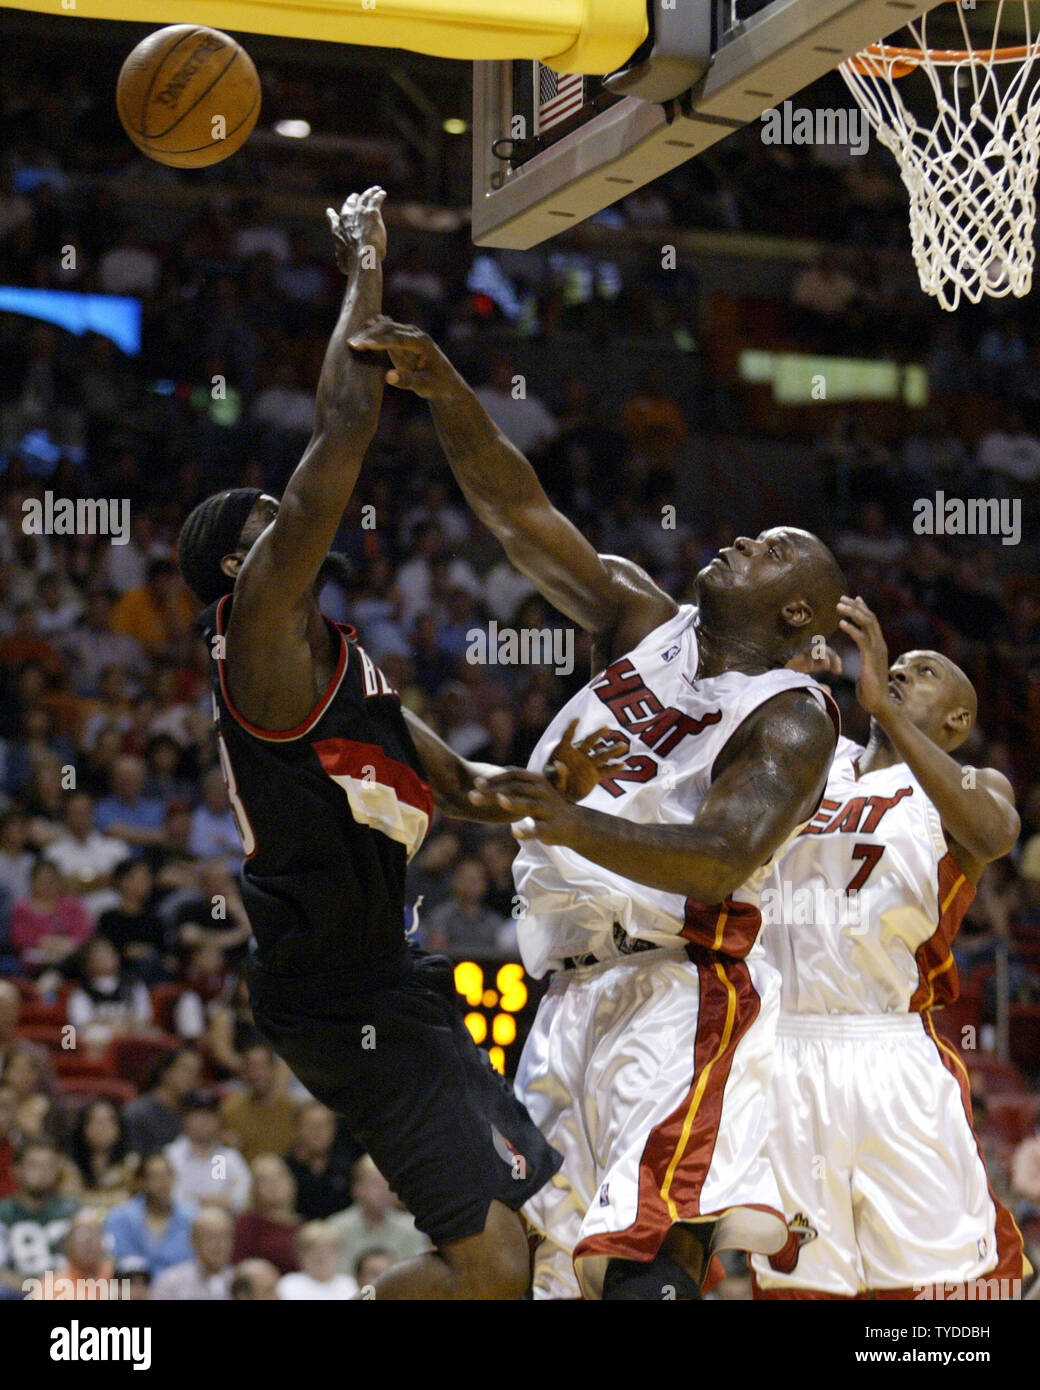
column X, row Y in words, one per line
column 641, row 606
column 792, row 727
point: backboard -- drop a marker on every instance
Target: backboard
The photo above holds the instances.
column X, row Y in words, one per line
column 549, row 150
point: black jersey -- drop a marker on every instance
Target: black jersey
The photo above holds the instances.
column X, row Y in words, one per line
column 329, row 813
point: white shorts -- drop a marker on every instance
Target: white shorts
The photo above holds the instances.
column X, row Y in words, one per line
column 882, row 1178
column 650, row 1075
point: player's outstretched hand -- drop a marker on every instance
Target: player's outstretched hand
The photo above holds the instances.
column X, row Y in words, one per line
column 859, row 623
column 575, row 769
column 358, row 225
column 418, row 363
column 532, row 800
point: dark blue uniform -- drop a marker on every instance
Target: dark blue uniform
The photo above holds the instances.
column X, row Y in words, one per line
column 329, row 813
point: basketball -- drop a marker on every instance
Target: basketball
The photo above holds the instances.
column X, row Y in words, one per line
column 188, row 96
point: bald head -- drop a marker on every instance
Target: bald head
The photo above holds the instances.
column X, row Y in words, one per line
column 821, row 582
column 775, row 592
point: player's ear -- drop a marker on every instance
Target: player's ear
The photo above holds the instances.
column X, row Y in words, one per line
column 231, row 564
column 958, row 721
column 797, row 613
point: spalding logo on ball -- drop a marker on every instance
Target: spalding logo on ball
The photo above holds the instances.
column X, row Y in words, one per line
column 188, row 96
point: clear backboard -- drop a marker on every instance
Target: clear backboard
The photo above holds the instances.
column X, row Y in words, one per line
column 551, row 150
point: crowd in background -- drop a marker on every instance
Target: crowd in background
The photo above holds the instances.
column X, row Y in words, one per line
column 120, row 915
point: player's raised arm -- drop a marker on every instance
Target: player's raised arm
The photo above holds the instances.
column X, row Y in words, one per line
column 978, row 812
column 284, row 563
column 610, row 598
column 768, row 781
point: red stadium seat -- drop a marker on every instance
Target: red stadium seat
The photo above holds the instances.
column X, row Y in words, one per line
column 107, row 1087
column 69, row 1063
column 992, row 1076
column 35, row 1011
column 133, row 1058
column 164, row 1001
column 1012, row 1118
column 43, row 1034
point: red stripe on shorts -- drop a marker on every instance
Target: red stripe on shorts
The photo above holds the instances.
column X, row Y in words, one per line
column 678, row 1151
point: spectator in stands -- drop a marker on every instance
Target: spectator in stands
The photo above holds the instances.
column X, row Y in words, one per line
column 129, row 267
column 108, row 1001
column 26, row 1069
column 268, row 1227
column 170, row 859
column 208, row 982
column 370, row 1264
column 100, row 1149
column 57, row 609
column 210, row 911
column 261, row 1116
column 151, row 1226
column 35, row 1220
column 206, row 1169
column 133, row 1279
column 160, row 614
column 10, row 1137
column 254, row 1280
column 322, row 1176
column 213, row 830
column 653, row 425
column 374, row 1219
column 318, row 1279
column 87, row 1266
column 229, row 1029
column 154, row 1119
column 414, row 589
column 207, row 1275
column 16, row 860
column 133, row 926
column 84, row 856
column 45, row 801
column 824, row 292
column 521, row 416
column 127, row 813
column 464, row 924
column 111, row 708
column 1009, row 453
column 48, row 925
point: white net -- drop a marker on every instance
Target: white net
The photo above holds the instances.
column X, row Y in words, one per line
column 971, row 171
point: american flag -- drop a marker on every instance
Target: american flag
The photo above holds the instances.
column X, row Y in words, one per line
column 559, row 96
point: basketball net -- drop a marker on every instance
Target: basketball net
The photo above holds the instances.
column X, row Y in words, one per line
column 971, row 173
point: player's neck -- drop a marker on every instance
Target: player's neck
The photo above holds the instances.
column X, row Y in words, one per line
column 879, row 752
column 729, row 651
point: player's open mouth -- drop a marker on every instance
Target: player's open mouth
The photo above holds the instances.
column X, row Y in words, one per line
column 896, row 692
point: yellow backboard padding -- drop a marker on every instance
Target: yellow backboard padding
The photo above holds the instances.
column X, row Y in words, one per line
column 593, row 36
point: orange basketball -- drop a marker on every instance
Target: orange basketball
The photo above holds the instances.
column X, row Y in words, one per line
column 188, row 96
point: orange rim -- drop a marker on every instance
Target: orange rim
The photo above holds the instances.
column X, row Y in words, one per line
column 873, row 60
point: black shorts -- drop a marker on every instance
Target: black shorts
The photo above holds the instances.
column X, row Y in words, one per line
column 397, row 1062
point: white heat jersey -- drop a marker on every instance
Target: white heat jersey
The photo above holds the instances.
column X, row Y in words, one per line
column 676, row 726
column 861, row 910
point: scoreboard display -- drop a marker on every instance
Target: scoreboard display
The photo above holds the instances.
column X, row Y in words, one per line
column 499, row 1001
